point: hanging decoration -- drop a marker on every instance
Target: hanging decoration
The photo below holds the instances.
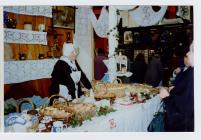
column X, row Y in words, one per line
column 30, row 10
column 116, row 35
column 125, row 7
column 184, row 12
column 147, row 15
column 25, row 37
column 27, row 70
column 83, row 28
column 83, row 38
column 101, row 25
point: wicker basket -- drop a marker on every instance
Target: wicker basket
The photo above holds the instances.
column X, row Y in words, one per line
column 109, row 90
column 21, row 101
column 117, row 88
column 100, row 88
column 57, row 109
column 34, row 119
column 82, row 110
column 55, row 101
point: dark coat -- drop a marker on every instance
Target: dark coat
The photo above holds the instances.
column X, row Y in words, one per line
column 99, row 67
column 139, row 71
column 154, row 72
column 180, row 104
column 61, row 75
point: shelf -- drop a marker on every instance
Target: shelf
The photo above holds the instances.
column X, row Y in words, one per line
column 57, row 26
column 24, row 36
column 157, row 27
column 134, row 46
column 30, row 10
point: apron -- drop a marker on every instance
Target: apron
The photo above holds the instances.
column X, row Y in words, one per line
column 75, row 75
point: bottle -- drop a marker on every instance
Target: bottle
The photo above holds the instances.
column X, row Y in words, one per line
column 68, row 37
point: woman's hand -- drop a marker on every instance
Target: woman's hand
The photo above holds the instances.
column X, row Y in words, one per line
column 85, row 90
column 91, row 95
column 177, row 70
column 164, row 92
column 170, row 88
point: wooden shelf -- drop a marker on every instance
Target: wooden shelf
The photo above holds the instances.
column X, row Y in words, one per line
column 20, row 36
column 157, row 27
column 56, row 26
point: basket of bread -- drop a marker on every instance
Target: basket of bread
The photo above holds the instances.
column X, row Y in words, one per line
column 109, row 90
column 68, row 112
column 54, row 111
column 83, row 110
column 101, row 92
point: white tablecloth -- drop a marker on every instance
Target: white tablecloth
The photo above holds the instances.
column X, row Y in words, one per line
column 21, row 71
column 132, row 118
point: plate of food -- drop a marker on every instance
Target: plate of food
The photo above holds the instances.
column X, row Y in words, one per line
column 124, row 101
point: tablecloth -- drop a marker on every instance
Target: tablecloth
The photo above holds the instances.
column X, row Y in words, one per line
column 130, row 118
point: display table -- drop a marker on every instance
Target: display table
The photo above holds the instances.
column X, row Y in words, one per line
column 130, row 118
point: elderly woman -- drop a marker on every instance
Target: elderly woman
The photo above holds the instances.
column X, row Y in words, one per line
column 67, row 75
column 179, row 100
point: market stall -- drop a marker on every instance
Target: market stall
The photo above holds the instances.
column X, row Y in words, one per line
column 34, row 43
column 131, row 109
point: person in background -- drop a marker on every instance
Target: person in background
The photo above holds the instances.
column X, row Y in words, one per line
column 172, row 64
column 67, row 75
column 99, row 67
column 139, row 69
column 178, row 71
column 154, row 71
column 179, row 100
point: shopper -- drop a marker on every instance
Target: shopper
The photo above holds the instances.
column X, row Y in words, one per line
column 179, row 71
column 99, row 67
column 154, row 71
column 139, row 69
column 179, row 100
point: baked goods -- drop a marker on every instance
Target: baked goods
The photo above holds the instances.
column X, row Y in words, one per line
column 142, row 88
column 123, row 101
column 109, row 90
column 54, row 113
column 104, row 96
column 82, row 110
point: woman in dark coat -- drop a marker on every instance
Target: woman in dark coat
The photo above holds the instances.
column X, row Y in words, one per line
column 154, row 71
column 179, row 100
column 99, row 67
column 67, row 75
column 139, row 69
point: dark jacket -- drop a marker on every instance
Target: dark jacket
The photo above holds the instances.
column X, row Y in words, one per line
column 154, row 72
column 99, row 67
column 61, row 75
column 180, row 104
column 139, row 71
